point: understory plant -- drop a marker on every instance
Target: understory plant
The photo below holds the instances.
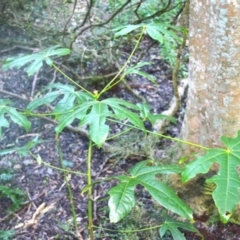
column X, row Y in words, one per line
column 90, row 108
column 7, row 234
column 15, row 196
column 8, row 191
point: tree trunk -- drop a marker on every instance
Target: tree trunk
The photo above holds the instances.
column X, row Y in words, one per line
column 213, row 105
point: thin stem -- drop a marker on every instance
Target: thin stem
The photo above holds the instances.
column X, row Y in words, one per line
column 112, row 83
column 39, row 160
column 180, row 50
column 178, row 140
column 119, row 134
column 90, row 190
column 161, row 135
column 70, row 193
column 130, row 231
column 66, row 76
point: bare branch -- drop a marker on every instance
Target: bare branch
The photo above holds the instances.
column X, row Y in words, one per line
column 99, row 24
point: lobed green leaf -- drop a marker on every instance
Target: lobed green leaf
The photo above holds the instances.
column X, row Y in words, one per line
column 96, row 118
column 154, row 33
column 124, row 30
column 173, row 226
column 141, row 173
column 122, row 199
column 46, row 99
column 78, row 112
column 15, row 116
column 226, row 194
column 23, row 150
column 18, row 118
column 35, row 60
column 122, row 112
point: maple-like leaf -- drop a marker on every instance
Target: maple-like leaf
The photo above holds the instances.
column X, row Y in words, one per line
column 122, row 196
column 35, row 60
column 15, row 116
column 174, row 225
column 226, row 194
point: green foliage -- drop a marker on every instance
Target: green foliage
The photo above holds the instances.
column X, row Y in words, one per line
column 5, row 174
column 70, row 98
column 173, row 226
column 95, row 114
column 6, row 110
column 157, row 31
column 70, row 104
column 37, row 59
column 226, row 193
column 23, row 150
column 165, row 34
column 85, row 108
column 122, row 196
column 6, row 234
column 147, row 115
column 169, row 51
column 135, row 70
column 14, row 194
column 142, row 10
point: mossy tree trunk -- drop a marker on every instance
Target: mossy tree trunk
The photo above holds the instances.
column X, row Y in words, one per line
column 213, row 105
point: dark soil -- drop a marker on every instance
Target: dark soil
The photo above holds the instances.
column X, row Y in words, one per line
column 45, row 213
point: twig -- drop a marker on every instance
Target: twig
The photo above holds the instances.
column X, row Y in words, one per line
column 34, row 84
column 90, row 6
column 69, row 19
column 156, row 14
column 14, row 95
column 93, row 78
column 21, row 47
column 127, row 86
column 99, row 24
column 54, row 76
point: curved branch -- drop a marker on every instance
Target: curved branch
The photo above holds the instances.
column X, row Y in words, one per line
column 158, row 13
column 90, row 6
column 178, row 87
column 69, row 19
column 99, row 24
column 138, row 6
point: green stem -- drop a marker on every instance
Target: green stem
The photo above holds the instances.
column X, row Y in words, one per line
column 66, row 76
column 131, row 231
column 161, row 135
column 90, row 190
column 119, row 134
column 70, row 193
column 39, row 160
column 112, row 83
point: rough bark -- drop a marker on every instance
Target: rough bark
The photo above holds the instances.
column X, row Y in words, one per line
column 213, row 106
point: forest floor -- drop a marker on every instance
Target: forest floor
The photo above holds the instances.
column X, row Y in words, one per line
column 45, row 212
